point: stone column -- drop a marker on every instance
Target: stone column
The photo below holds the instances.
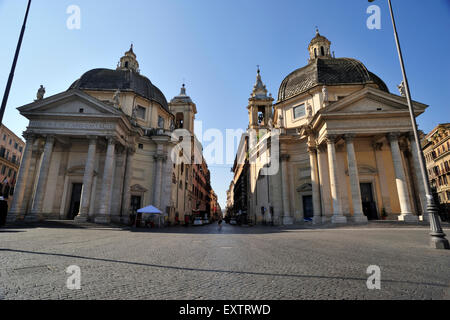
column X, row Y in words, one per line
column 287, row 219
column 87, row 181
column 400, row 178
column 158, row 181
column 385, row 195
column 315, row 185
column 127, row 185
column 36, row 209
column 324, row 181
column 105, row 197
column 17, row 206
column 358, row 215
column 419, row 179
column 338, row 217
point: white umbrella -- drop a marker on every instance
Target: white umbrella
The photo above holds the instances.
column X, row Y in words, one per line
column 152, row 210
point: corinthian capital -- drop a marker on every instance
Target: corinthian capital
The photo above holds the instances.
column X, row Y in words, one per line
column 331, row 138
column 393, row 136
column 349, row 137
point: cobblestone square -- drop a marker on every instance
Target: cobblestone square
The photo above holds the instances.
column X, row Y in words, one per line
column 232, row 263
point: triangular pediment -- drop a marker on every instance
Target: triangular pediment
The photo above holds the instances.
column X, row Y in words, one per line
column 69, row 103
column 371, row 100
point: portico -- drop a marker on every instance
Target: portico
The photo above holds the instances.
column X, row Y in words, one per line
column 81, row 161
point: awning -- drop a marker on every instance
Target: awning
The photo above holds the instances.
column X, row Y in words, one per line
column 150, row 209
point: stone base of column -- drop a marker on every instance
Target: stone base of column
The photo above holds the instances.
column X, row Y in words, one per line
column 288, row 221
column 81, row 219
column 102, row 219
column 326, row 219
column 11, row 217
column 408, row 218
column 317, row 220
column 439, row 243
column 360, row 218
column 424, row 218
column 31, row 218
column 338, row 219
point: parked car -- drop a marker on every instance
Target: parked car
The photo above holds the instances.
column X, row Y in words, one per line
column 198, row 222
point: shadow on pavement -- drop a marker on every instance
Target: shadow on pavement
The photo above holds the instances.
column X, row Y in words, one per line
column 219, row 270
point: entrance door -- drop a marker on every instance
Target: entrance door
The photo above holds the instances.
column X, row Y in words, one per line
column 308, row 209
column 368, row 201
column 75, row 199
column 135, row 203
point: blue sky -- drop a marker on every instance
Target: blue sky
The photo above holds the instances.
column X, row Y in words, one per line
column 215, row 46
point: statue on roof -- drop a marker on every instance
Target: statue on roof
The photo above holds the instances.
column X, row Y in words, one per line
column 40, row 93
column 325, row 94
column 402, row 89
column 116, row 99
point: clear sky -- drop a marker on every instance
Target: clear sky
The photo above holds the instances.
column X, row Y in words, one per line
column 215, row 46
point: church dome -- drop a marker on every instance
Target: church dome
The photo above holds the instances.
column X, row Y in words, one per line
column 124, row 80
column 327, row 71
column 324, row 69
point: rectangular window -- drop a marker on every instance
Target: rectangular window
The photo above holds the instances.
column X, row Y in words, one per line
column 299, row 111
column 16, row 145
column 4, row 137
column 141, row 112
column 3, row 169
column 160, row 122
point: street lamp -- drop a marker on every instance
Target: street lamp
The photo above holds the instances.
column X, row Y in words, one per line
column 13, row 67
column 438, row 240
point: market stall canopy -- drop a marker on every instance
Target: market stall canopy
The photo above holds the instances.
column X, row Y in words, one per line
column 150, row 209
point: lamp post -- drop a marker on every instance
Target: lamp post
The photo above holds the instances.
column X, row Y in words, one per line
column 13, row 67
column 438, row 239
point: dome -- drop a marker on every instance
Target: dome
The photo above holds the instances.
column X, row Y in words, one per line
column 327, row 71
column 122, row 79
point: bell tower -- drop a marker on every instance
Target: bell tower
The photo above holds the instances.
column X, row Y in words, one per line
column 184, row 110
column 260, row 105
column 319, row 47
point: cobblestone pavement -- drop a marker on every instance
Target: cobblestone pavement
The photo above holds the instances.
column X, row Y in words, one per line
column 234, row 263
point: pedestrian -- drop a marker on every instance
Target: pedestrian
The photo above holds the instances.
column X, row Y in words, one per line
column 220, row 224
column 3, row 211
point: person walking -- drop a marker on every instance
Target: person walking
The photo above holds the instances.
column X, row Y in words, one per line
column 3, row 211
column 220, row 224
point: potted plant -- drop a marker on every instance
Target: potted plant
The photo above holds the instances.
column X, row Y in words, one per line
column 384, row 214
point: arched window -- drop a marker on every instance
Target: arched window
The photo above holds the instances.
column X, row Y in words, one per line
column 179, row 120
column 322, row 51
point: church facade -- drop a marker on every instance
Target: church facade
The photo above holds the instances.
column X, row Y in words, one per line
column 339, row 143
column 103, row 149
